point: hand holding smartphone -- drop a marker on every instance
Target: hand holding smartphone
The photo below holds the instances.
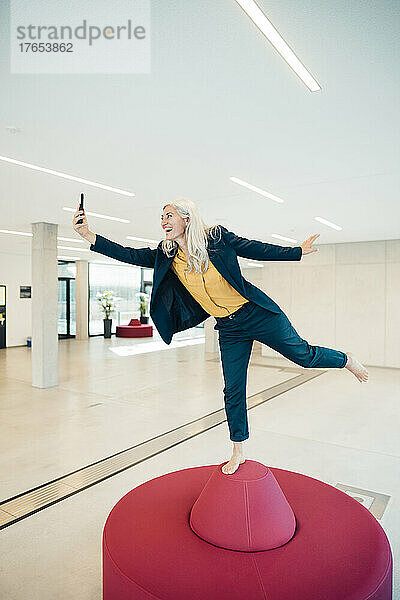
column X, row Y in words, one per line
column 81, row 208
column 80, row 224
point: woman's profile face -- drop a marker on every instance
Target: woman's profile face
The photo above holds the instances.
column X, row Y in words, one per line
column 172, row 223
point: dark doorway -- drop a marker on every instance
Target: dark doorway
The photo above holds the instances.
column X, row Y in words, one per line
column 66, row 308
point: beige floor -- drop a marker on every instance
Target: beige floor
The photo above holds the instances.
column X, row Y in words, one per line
column 332, row 428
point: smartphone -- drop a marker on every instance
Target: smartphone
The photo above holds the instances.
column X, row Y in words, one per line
column 79, row 221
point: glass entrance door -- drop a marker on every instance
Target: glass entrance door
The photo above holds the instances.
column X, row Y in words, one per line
column 66, row 308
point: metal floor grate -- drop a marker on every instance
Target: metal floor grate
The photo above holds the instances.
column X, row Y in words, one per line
column 32, row 501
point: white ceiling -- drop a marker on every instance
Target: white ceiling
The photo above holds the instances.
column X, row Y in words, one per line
column 219, row 101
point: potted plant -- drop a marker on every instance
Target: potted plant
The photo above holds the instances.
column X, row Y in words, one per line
column 107, row 303
column 143, row 304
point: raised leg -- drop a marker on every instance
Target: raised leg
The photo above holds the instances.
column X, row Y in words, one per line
column 277, row 332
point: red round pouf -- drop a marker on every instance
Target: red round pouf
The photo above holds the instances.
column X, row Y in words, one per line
column 338, row 551
column 134, row 331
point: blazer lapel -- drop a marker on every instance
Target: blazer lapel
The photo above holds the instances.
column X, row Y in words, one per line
column 217, row 259
column 160, row 269
column 217, row 252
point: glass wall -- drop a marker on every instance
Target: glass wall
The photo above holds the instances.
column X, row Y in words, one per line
column 125, row 282
column 66, row 269
column 147, row 283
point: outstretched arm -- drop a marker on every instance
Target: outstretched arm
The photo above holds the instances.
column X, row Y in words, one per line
column 142, row 257
column 257, row 250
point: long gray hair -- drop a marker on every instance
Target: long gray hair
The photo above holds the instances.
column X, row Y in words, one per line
column 196, row 235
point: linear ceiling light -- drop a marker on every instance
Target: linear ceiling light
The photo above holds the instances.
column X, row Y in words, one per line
column 93, row 214
column 325, row 222
column 65, row 176
column 285, row 239
column 130, row 237
column 15, row 232
column 31, row 234
column 64, row 239
column 74, row 249
column 265, row 26
column 256, row 189
column 252, row 264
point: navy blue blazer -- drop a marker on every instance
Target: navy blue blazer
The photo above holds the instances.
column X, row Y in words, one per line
column 172, row 307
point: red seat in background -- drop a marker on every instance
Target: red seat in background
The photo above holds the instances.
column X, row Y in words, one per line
column 135, row 329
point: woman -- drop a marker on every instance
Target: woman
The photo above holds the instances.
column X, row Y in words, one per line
column 197, row 274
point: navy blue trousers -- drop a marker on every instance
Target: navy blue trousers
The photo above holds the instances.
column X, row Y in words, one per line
column 236, row 334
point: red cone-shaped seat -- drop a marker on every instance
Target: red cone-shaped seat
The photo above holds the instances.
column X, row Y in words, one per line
column 339, row 550
column 244, row 511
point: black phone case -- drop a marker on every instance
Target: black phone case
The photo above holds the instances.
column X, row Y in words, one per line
column 79, row 221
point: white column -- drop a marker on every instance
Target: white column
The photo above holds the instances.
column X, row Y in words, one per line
column 210, row 336
column 44, row 305
column 82, row 299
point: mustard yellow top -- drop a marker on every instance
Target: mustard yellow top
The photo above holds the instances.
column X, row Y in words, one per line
column 210, row 289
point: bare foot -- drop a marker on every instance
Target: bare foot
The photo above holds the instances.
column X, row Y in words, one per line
column 237, row 459
column 356, row 368
column 232, row 465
